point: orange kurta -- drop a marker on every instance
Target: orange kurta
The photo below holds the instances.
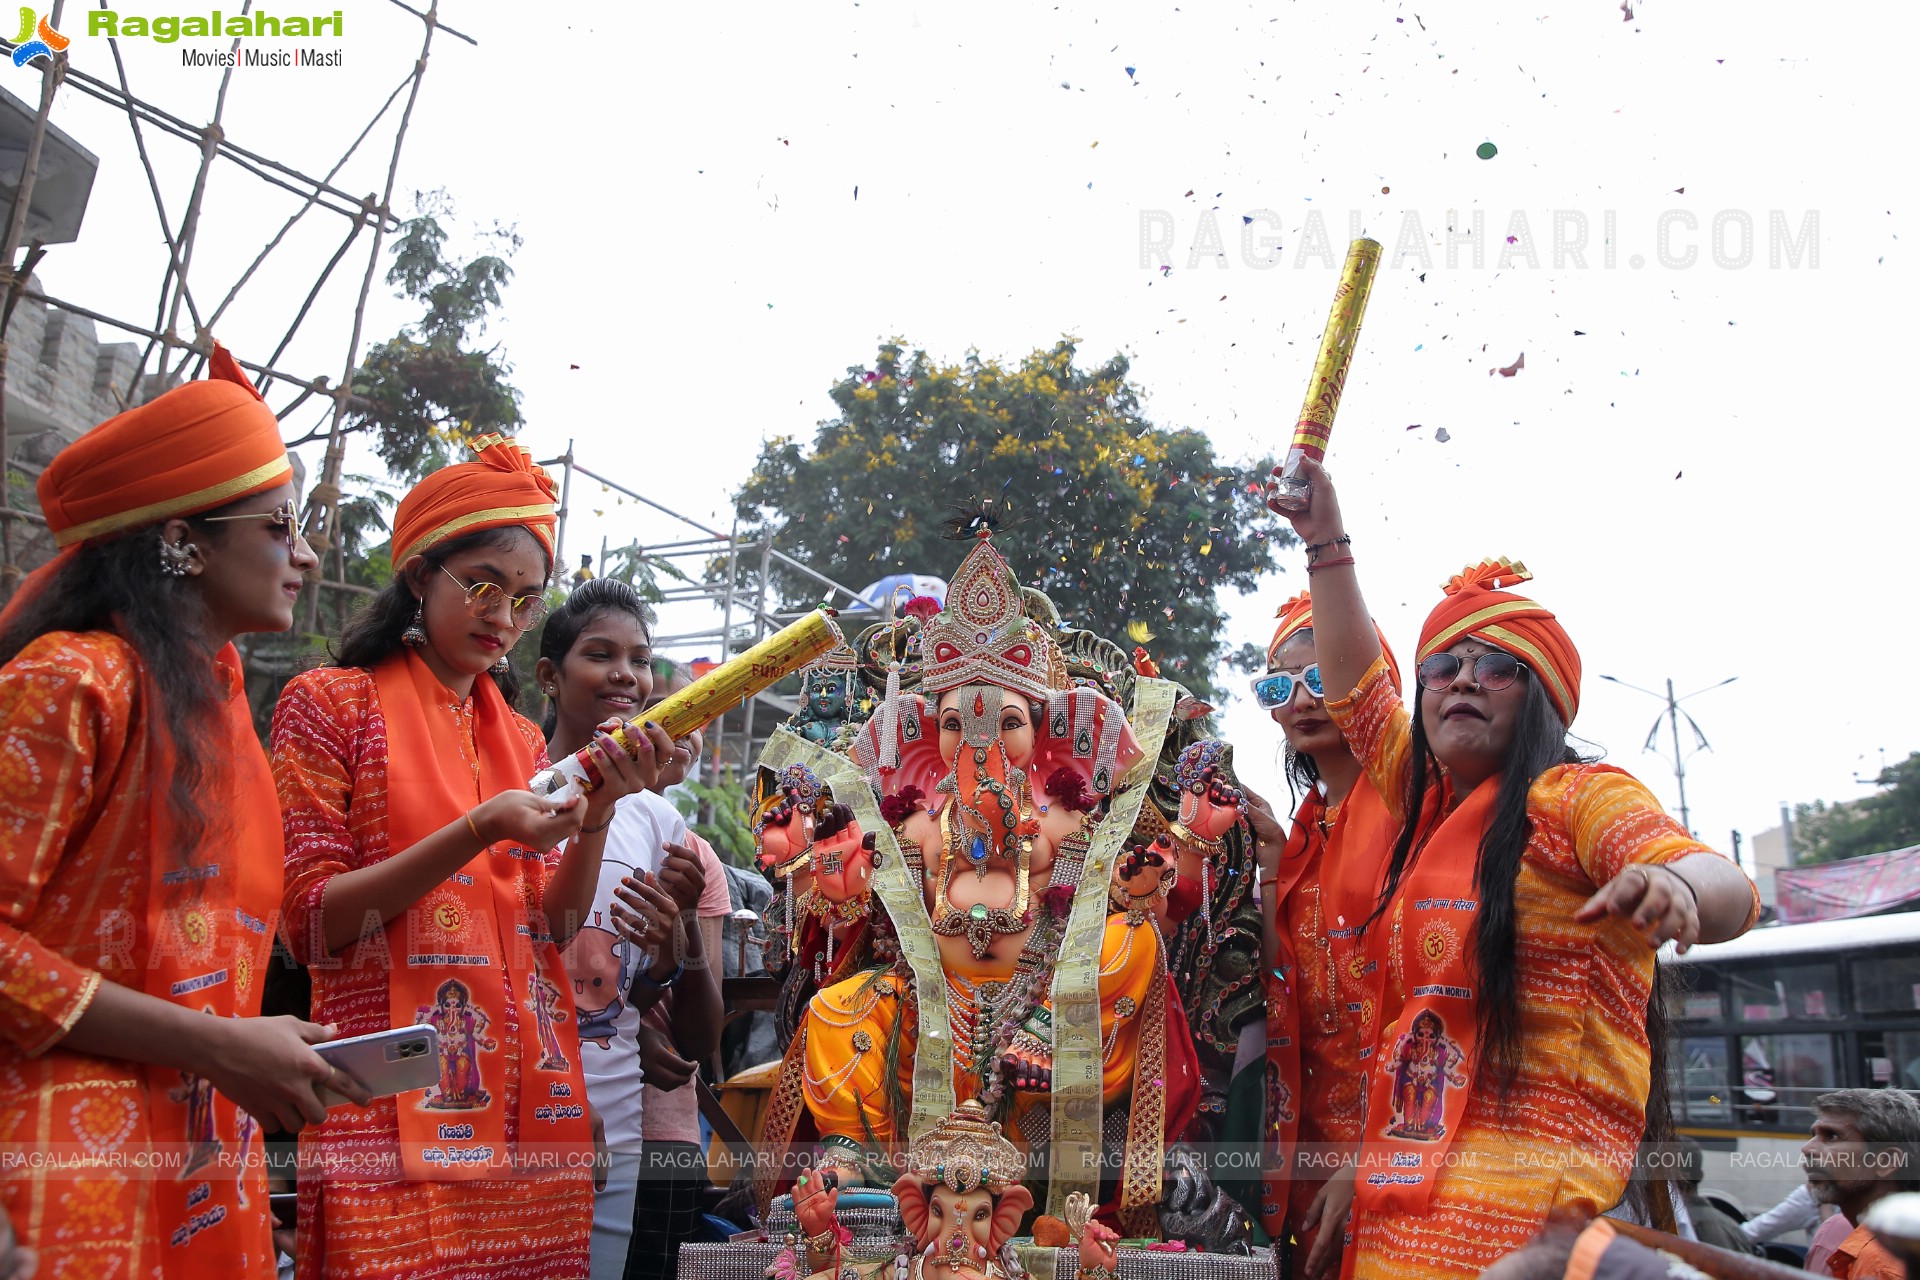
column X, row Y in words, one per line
column 76, row 879
column 357, row 1217
column 1574, row 1115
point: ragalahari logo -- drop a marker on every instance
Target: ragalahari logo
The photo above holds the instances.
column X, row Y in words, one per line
column 37, row 39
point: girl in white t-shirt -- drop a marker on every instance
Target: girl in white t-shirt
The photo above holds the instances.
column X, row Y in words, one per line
column 595, row 663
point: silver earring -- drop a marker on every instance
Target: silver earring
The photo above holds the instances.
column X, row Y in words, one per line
column 501, row 667
column 174, row 559
column 415, row 635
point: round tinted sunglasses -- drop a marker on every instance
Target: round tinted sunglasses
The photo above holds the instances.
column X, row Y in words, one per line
column 484, row 597
column 1276, row 688
column 1494, row 670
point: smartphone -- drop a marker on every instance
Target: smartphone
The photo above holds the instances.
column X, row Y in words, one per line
column 385, row 1062
column 283, row 1205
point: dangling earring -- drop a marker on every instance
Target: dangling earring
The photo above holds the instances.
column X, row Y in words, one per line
column 174, row 559
column 501, row 667
column 415, row 635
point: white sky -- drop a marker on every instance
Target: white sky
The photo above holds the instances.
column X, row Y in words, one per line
column 1715, row 480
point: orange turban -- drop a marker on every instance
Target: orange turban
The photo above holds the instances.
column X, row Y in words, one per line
column 197, row 447
column 1476, row 608
column 502, row 486
column 1296, row 615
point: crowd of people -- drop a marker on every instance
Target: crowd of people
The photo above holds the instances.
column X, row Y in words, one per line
column 1461, row 917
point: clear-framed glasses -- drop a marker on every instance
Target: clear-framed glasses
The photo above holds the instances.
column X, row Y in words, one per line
column 484, row 597
column 1493, row 670
column 1276, row 688
column 286, row 519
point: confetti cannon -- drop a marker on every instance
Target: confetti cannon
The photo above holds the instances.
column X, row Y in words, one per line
column 1288, row 492
column 714, row 694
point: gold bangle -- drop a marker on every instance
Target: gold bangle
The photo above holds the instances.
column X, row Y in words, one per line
column 1185, row 835
column 475, row 829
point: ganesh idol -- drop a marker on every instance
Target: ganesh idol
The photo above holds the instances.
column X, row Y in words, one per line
column 995, row 777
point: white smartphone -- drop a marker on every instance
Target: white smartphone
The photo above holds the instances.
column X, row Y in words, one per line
column 385, row 1062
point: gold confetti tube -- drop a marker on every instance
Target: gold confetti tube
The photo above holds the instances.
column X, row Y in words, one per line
column 712, row 695
column 1329, row 372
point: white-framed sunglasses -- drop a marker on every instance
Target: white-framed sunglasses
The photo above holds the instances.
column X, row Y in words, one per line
column 1276, row 688
column 286, row 519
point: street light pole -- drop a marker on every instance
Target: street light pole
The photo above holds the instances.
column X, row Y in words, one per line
column 1679, row 761
column 1673, row 716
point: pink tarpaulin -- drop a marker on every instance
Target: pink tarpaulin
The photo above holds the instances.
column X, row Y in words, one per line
column 1856, row 887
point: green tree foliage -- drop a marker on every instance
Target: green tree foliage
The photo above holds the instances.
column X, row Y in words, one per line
column 1129, row 527
column 719, row 813
column 633, row 566
column 1887, row 820
column 427, row 388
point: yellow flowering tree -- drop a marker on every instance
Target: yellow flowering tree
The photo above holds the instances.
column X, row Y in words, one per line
column 1130, row 528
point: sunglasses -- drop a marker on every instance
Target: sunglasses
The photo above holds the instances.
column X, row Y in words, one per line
column 484, row 597
column 286, row 519
column 1276, row 688
column 1490, row 670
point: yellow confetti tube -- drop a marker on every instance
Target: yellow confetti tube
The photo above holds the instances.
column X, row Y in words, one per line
column 712, row 695
column 1289, row 490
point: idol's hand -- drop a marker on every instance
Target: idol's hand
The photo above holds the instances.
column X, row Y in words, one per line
column 787, row 832
column 1657, row 900
column 815, row 1198
column 1319, row 521
column 1097, row 1247
column 1026, row 1074
column 1211, row 812
column 1139, row 872
column 842, row 855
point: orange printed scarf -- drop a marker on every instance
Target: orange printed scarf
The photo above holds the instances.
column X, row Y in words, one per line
column 449, row 948
column 209, row 929
column 1424, row 1061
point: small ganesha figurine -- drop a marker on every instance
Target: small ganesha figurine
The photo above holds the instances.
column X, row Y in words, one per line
column 961, row 1199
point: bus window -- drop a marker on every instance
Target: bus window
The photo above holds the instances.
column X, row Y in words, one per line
column 1889, row 983
column 1788, row 993
column 1890, row 1058
column 1781, row 1075
column 1704, row 1092
column 1693, row 993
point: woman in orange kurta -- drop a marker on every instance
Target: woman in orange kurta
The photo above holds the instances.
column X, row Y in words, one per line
column 426, row 884
column 140, row 849
column 1317, row 883
column 1511, row 951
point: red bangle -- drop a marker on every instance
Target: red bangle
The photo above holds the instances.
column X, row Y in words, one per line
column 1317, row 565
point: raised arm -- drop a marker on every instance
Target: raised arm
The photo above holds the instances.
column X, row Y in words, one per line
column 1343, row 636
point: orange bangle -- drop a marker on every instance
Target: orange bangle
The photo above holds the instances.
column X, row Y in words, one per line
column 475, row 829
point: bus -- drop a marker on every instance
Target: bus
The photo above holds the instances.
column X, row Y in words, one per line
column 1766, row 1023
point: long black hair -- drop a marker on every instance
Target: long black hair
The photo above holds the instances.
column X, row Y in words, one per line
column 1539, row 743
column 564, row 625
column 115, row 584
column 1302, row 771
column 373, row 633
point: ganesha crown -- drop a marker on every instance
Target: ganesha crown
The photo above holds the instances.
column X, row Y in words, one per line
column 984, row 636
column 966, row 1152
